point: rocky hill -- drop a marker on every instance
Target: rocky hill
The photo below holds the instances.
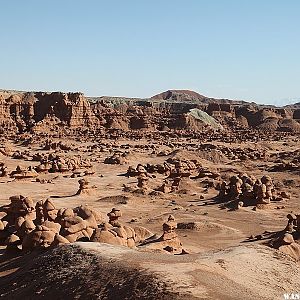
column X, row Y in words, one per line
column 180, row 95
column 191, row 96
column 174, row 109
column 294, row 105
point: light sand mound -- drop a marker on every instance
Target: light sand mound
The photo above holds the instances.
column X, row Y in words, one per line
column 118, row 199
column 269, row 124
column 73, row 273
column 201, row 155
column 213, row 156
column 289, row 125
column 242, row 272
column 274, row 123
column 262, row 115
column 205, row 118
column 101, row 271
column 206, row 226
column 179, row 154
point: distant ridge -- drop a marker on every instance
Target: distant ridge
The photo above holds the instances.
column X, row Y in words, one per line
column 169, row 95
column 191, row 96
column 186, row 94
column 174, row 109
column 296, row 104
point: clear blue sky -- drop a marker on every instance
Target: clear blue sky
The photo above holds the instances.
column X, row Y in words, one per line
column 239, row 49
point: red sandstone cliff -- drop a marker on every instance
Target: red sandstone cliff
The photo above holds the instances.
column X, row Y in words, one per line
column 39, row 111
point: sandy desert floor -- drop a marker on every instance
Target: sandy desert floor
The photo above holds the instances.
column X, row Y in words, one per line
column 222, row 263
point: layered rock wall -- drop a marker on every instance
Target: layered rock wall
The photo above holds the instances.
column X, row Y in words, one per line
column 40, row 111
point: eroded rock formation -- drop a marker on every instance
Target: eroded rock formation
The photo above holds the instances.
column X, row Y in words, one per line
column 179, row 110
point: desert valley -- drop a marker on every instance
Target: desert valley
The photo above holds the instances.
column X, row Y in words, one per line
column 177, row 196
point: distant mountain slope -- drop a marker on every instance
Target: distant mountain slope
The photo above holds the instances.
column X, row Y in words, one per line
column 179, row 95
column 295, row 104
column 191, row 96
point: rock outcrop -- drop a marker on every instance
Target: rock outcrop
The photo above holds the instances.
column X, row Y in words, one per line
column 175, row 109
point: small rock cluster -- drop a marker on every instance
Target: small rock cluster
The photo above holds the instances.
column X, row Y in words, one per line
column 85, row 187
column 24, row 173
column 56, row 145
column 169, row 240
column 116, row 233
column 54, row 163
column 3, row 170
column 27, row 226
column 287, row 241
column 32, row 226
column 118, row 158
column 244, row 190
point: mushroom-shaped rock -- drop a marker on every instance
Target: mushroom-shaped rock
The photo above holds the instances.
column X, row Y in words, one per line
column 26, row 227
column 88, row 215
column 48, row 205
column 41, row 238
column 39, row 210
column 55, row 227
column 74, row 228
column 114, row 216
column 84, row 187
column 59, row 240
column 12, row 242
column 106, row 235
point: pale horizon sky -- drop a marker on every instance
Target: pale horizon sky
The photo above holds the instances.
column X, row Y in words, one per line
column 247, row 50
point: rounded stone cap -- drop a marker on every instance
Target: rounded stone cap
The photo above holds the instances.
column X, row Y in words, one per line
column 115, row 212
column 291, row 216
column 266, row 179
column 28, row 224
column 48, row 205
column 13, row 238
column 171, row 218
column 288, row 238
